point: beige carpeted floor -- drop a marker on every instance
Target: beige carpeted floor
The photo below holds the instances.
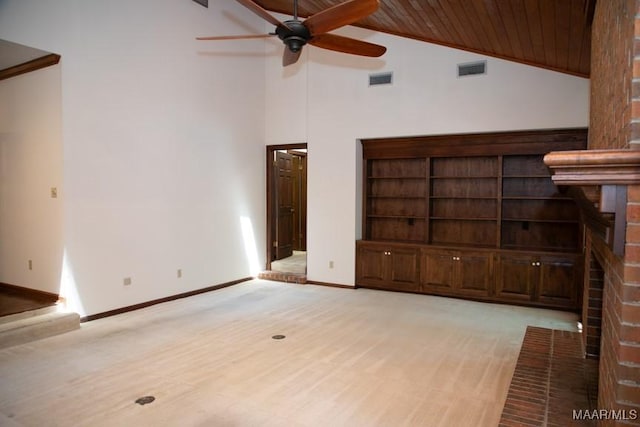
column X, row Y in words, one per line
column 349, row 358
column 296, row 263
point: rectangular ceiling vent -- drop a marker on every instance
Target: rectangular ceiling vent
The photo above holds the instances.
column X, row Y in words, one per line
column 472, row 68
column 380, row 79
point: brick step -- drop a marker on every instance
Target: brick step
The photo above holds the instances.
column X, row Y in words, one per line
column 551, row 380
column 283, row 277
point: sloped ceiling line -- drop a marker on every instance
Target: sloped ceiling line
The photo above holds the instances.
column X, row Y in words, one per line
column 550, row 34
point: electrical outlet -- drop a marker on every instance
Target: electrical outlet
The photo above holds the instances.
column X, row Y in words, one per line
column 127, row 281
column 54, row 193
column 179, row 273
column 30, row 265
column 330, row 264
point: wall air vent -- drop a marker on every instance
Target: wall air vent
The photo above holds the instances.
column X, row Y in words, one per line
column 204, row 3
column 472, row 68
column 380, row 79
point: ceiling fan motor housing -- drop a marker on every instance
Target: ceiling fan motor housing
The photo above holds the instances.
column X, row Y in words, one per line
column 294, row 34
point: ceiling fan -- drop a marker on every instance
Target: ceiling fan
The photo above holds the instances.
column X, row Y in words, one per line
column 296, row 33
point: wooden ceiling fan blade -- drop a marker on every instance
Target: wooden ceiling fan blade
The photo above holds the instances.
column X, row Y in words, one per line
column 347, row 45
column 258, row 10
column 290, row 57
column 251, row 36
column 340, row 15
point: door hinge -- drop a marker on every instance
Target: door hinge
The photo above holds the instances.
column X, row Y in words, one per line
column 275, row 243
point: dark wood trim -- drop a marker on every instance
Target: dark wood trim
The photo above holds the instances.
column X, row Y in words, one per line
column 297, row 153
column 594, row 167
column 26, row 67
column 30, row 293
column 611, row 170
column 331, row 285
column 477, row 144
column 592, row 217
column 270, row 149
column 161, row 300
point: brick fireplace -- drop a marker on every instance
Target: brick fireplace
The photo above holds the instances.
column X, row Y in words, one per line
column 611, row 303
column 615, row 124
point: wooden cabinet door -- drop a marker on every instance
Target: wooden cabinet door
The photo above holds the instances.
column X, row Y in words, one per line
column 559, row 281
column 516, row 277
column 388, row 267
column 475, row 273
column 438, row 271
column 403, row 268
column 371, row 265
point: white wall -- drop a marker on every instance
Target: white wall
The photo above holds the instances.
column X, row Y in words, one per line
column 30, row 165
column 325, row 100
column 163, row 142
column 163, row 136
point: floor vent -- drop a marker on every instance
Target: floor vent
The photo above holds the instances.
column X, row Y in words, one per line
column 472, row 68
column 145, row 399
column 380, row 79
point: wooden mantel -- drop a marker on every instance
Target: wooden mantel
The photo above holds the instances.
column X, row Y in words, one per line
column 611, row 170
column 594, row 167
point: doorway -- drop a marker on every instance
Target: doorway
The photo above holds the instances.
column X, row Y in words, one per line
column 287, row 208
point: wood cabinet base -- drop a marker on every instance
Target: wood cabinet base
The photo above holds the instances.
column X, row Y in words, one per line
column 537, row 279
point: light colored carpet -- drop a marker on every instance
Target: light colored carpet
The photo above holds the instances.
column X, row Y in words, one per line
column 350, row 358
column 32, row 325
column 296, row 263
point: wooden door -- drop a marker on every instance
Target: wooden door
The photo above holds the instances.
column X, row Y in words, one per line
column 372, row 265
column 403, row 269
column 475, row 273
column 438, row 270
column 516, row 277
column 299, row 201
column 284, row 205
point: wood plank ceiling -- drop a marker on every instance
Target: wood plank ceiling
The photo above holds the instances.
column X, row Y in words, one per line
column 552, row 34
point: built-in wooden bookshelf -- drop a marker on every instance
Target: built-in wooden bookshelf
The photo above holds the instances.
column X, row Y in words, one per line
column 396, row 192
column 463, row 200
column 447, row 197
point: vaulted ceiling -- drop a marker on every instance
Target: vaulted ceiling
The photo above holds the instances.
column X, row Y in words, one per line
column 552, row 34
